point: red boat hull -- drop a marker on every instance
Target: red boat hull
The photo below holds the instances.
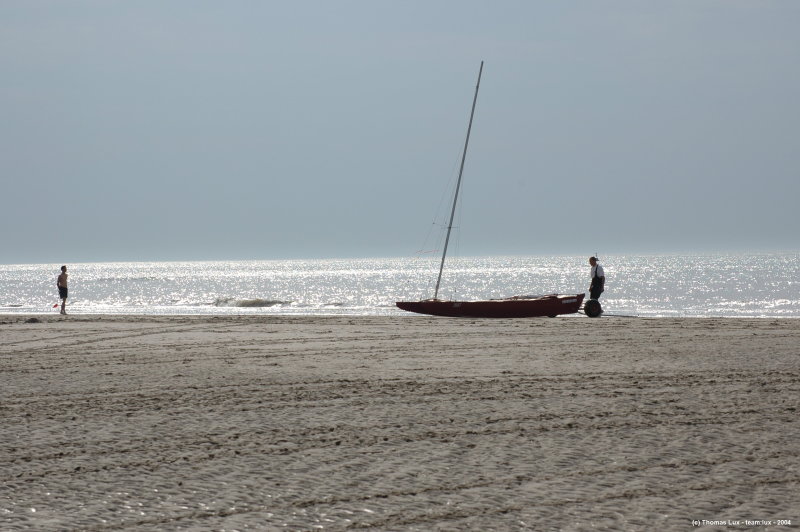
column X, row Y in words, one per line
column 515, row 307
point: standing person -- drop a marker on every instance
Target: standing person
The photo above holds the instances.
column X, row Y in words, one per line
column 62, row 289
column 598, row 279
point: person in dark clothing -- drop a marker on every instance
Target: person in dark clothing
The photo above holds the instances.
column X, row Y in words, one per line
column 62, row 289
column 598, row 279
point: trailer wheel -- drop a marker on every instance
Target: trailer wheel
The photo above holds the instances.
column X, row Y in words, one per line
column 592, row 308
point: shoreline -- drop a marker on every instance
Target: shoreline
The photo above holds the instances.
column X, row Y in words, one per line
column 49, row 316
column 297, row 422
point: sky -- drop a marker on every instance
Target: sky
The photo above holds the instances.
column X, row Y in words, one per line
column 200, row 130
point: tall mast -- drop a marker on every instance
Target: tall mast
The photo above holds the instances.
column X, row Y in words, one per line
column 458, row 184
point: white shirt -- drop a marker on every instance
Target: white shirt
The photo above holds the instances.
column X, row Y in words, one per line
column 600, row 272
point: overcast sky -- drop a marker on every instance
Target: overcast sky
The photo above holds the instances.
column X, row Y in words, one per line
column 190, row 130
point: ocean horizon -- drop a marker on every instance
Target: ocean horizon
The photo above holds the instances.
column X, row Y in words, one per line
column 748, row 285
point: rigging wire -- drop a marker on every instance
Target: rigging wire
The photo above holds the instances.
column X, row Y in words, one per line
column 439, row 219
column 430, row 247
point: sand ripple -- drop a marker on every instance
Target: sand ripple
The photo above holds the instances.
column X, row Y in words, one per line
column 422, row 424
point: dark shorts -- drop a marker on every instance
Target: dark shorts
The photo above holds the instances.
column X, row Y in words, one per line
column 62, row 292
column 595, row 290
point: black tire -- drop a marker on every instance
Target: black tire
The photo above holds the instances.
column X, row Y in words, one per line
column 592, row 308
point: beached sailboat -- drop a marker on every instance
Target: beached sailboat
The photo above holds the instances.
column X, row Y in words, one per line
column 512, row 307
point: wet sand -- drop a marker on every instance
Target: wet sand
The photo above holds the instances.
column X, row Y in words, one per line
column 412, row 423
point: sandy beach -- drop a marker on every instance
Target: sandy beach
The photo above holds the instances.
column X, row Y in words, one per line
column 412, row 423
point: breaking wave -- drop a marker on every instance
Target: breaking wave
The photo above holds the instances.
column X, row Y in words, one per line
column 248, row 303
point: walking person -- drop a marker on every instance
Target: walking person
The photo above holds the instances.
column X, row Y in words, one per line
column 598, row 279
column 62, row 289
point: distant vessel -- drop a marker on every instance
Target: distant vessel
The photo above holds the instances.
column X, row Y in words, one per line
column 512, row 307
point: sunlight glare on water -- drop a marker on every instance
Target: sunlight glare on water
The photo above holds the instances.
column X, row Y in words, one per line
column 743, row 285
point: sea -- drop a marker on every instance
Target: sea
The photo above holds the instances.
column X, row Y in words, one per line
column 754, row 285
